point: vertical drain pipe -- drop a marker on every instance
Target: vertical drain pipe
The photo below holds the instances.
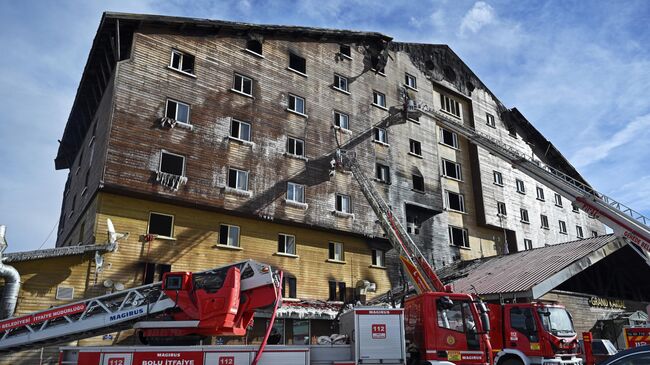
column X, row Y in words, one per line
column 12, row 281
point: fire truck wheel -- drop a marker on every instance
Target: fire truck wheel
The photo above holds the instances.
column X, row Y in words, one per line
column 511, row 361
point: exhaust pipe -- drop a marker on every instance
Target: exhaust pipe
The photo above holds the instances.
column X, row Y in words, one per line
column 12, row 281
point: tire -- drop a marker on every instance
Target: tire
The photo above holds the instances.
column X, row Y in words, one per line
column 511, row 361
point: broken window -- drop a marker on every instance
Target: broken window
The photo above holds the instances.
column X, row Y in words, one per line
column 378, row 99
column 378, row 258
column 378, row 64
column 528, row 244
column 512, row 131
column 180, row 112
column 240, row 130
column 295, row 146
column 540, row 193
column 451, row 169
column 229, row 235
column 501, row 209
column 172, row 164
column 558, row 199
column 161, row 224
column 544, row 220
column 289, row 287
column 524, row 215
column 345, row 51
column 562, row 225
column 498, row 178
column 336, row 291
column 343, row 203
column 254, row 46
column 336, row 252
column 450, row 105
column 286, row 244
column 341, row 83
column 455, row 201
column 182, row 62
column 295, row 192
column 382, row 173
column 415, row 147
column 381, row 135
column 579, row 233
column 418, row 182
column 297, row 63
column 521, row 188
column 243, row 84
column 341, row 120
column 153, row 272
column 410, row 81
column 448, row 138
column 238, row 179
column 412, row 223
column 458, row 236
column 297, row 104
column 490, row 120
column 574, row 208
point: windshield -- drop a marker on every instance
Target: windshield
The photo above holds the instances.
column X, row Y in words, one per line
column 556, row 321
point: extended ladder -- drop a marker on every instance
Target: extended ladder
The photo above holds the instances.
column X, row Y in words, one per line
column 417, row 267
column 625, row 221
column 106, row 313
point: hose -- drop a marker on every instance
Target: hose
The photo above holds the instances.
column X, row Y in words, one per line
column 270, row 327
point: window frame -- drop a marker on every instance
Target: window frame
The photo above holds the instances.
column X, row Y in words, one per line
column 562, row 225
column 457, row 170
column 384, row 177
column 181, row 61
column 295, row 143
column 504, row 211
column 292, row 186
column 454, row 138
column 347, row 54
column 160, row 162
column 171, row 227
column 294, row 110
column 558, row 200
column 544, row 221
column 461, row 201
column 287, row 281
column 227, row 244
column 234, row 121
column 420, row 179
column 338, row 116
column 376, row 134
column 178, row 102
column 528, row 244
column 446, row 102
column 490, row 121
column 259, row 54
column 580, row 232
column 464, row 232
column 379, row 96
column 497, row 181
column 378, row 258
column 523, row 213
column 338, row 81
column 237, row 178
column 243, row 78
column 540, row 193
column 296, row 70
column 338, row 206
column 283, row 244
column 407, row 78
column 415, row 147
column 521, row 186
column 332, row 254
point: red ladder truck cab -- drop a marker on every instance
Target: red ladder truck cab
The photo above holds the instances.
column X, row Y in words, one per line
column 444, row 328
column 533, row 333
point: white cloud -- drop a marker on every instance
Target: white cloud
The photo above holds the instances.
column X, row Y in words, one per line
column 480, row 15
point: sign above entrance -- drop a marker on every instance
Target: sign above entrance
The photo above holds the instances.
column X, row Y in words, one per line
column 606, row 303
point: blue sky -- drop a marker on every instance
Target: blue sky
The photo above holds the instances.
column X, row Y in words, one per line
column 578, row 73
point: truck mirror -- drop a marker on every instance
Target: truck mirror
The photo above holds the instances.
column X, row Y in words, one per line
column 485, row 321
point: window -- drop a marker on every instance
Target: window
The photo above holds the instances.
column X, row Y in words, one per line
column 154, row 272
column 378, row 258
column 501, row 208
column 295, row 192
column 172, row 164
column 382, row 173
column 558, row 199
column 64, row 293
column 521, row 188
column 295, row 146
column 229, row 235
column 498, row 178
column 512, row 131
column 524, row 215
column 410, row 81
column 254, row 46
column 458, row 236
column 161, row 224
column 238, row 179
column 336, row 251
column 178, row 111
column 594, row 234
column 418, row 182
column 341, row 83
column 243, row 84
column 343, row 203
column 544, row 220
column 341, row 120
column 296, row 104
column 562, row 227
column 540, row 193
column 412, row 223
column 287, row 244
column 574, row 208
column 522, row 321
column 240, row 130
column 345, row 51
column 289, row 287
column 528, row 244
column 490, row 120
column 182, row 62
column 415, row 147
column 451, row 169
column 579, row 232
column 381, row 135
column 336, row 291
column 449, row 138
column 378, row 99
column 455, row 201
column 450, row 105
column 297, row 63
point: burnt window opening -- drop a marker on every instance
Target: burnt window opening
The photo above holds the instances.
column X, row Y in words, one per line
column 181, row 61
column 415, row 147
column 254, row 46
column 382, row 173
column 418, row 183
column 336, row 291
column 455, row 201
column 154, row 272
column 161, row 224
column 449, row 138
column 178, row 111
column 512, row 131
column 345, row 51
column 458, row 236
column 378, row 64
column 297, row 63
column 412, row 223
column 172, row 164
column 289, row 287
column 451, row 170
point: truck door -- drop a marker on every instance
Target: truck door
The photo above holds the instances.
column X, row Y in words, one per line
column 457, row 325
column 522, row 334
